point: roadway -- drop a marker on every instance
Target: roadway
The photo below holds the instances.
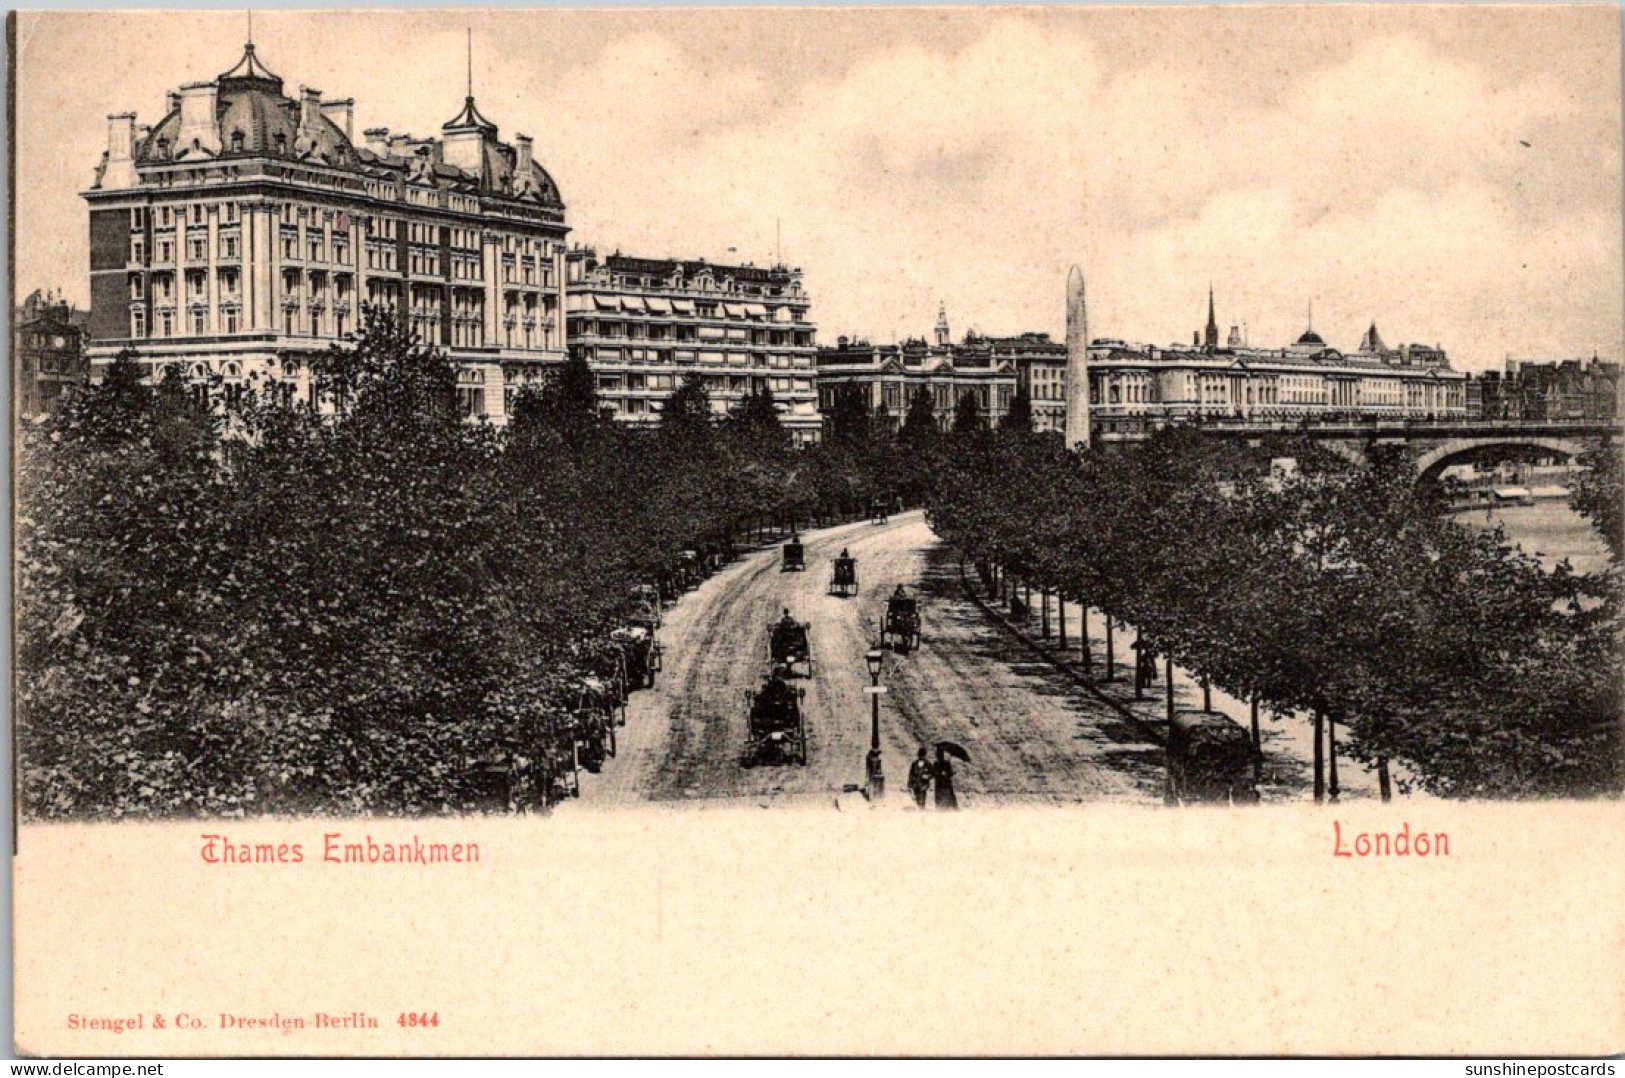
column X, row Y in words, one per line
column 1033, row 735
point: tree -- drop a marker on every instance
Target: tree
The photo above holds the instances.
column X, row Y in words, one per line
column 1599, row 495
column 1020, row 416
column 968, row 414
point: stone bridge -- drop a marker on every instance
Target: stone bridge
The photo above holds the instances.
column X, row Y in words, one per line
column 1437, row 444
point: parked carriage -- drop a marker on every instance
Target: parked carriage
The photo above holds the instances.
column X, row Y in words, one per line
column 646, row 605
column 776, row 728
column 795, row 556
column 900, row 625
column 594, row 723
column 788, row 645
column 1210, row 759
column 844, row 581
column 879, row 511
column 641, row 655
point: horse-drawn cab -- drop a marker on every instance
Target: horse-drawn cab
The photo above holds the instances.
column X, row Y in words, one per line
column 776, row 729
column 900, row 625
column 594, row 723
column 795, row 556
column 844, row 582
column 640, row 653
column 688, row 572
column 646, row 605
column 788, row 644
column 879, row 511
column 1210, row 758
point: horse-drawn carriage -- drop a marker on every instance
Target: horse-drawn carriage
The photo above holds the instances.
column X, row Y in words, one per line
column 646, row 605
column 788, row 644
column 1210, row 758
column 594, row 722
column 640, row 654
column 844, row 582
column 776, row 729
column 795, row 556
column 879, row 510
column 900, row 625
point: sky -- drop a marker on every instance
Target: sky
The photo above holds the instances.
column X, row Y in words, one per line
column 1453, row 174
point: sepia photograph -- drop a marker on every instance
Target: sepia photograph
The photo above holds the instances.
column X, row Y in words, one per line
column 562, row 451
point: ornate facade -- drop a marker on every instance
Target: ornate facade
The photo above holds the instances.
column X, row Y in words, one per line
column 892, row 373
column 49, row 363
column 243, row 232
column 645, row 323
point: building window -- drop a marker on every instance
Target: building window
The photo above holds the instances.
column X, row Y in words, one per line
column 166, row 324
column 287, row 321
column 228, row 246
column 313, row 242
column 199, row 319
column 290, row 243
column 138, row 323
column 231, row 207
column 138, row 218
column 231, row 319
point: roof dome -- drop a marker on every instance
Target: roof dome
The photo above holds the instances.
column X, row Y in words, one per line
column 254, row 119
column 1310, row 337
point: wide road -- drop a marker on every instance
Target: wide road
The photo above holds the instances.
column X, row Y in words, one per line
column 1033, row 735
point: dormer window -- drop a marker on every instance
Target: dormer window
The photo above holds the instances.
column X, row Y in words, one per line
column 236, row 142
column 281, row 143
column 163, row 147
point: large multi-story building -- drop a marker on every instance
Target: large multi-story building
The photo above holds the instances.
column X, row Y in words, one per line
column 891, row 374
column 1136, row 388
column 643, row 324
column 243, row 231
column 1563, row 389
column 48, row 339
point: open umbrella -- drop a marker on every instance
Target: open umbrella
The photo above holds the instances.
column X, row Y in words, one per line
column 953, row 748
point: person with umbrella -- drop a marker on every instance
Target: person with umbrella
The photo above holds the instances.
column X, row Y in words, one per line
column 943, row 773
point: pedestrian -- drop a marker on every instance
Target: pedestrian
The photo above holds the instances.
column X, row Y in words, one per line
column 943, row 773
column 919, row 777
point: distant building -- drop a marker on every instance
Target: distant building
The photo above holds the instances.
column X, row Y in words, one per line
column 891, row 374
column 645, row 323
column 1040, row 366
column 1551, row 390
column 48, row 346
column 243, row 231
column 1136, row 388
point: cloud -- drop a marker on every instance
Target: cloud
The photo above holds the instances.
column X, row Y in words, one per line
column 1370, row 160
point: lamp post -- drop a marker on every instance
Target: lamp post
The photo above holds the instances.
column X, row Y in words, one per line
column 872, row 765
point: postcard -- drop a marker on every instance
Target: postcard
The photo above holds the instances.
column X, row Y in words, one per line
column 834, row 531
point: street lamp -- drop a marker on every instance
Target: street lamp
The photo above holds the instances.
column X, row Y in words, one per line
column 876, row 773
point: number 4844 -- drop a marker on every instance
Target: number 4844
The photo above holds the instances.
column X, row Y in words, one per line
column 418, row 1019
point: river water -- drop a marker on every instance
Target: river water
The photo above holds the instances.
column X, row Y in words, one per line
column 1548, row 529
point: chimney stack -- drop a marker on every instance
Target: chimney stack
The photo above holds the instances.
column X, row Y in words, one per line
column 342, row 113
column 198, row 121
column 377, row 140
column 522, row 148
column 120, row 171
column 310, row 107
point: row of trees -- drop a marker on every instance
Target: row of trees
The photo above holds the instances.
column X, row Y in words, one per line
column 1339, row 591
column 266, row 607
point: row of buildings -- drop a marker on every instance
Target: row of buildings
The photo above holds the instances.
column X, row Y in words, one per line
column 244, row 231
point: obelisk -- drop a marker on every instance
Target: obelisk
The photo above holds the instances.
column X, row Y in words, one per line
column 1077, row 361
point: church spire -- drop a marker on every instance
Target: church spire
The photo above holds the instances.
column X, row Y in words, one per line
column 1211, row 335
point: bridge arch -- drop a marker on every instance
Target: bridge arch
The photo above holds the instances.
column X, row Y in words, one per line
column 1437, row 458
